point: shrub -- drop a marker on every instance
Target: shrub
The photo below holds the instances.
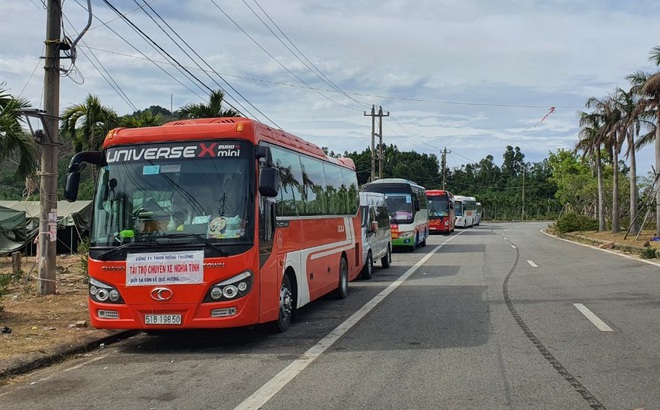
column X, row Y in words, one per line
column 83, row 254
column 648, row 253
column 571, row 222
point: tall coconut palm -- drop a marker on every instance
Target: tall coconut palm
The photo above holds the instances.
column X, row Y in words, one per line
column 633, row 121
column 87, row 124
column 649, row 104
column 211, row 110
column 649, row 90
column 14, row 142
column 590, row 143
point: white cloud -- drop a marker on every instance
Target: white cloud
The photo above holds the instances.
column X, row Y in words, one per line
column 472, row 76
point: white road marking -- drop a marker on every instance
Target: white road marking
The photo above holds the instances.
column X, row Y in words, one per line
column 593, row 318
column 274, row 385
column 532, row 264
column 78, row 366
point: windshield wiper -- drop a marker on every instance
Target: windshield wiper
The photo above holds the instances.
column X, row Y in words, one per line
column 197, row 236
column 119, row 248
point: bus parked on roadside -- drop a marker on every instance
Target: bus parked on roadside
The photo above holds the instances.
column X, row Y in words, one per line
column 442, row 218
column 376, row 232
column 466, row 211
column 407, row 205
column 216, row 223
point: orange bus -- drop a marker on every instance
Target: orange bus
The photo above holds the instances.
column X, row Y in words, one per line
column 441, row 211
column 216, row 223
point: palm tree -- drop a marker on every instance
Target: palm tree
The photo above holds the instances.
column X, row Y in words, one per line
column 649, row 90
column 144, row 119
column 87, row 124
column 211, row 110
column 590, row 143
column 13, row 140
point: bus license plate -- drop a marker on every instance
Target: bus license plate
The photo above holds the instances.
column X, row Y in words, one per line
column 162, row 319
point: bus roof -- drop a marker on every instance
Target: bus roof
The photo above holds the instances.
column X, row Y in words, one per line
column 218, row 128
column 395, row 181
column 439, row 192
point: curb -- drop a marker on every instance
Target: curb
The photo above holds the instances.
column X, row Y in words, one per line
column 16, row 366
column 619, row 246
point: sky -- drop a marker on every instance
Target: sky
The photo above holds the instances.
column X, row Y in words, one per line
column 469, row 76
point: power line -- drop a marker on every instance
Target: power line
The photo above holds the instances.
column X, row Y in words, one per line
column 307, row 63
column 150, row 40
column 276, row 60
column 208, row 65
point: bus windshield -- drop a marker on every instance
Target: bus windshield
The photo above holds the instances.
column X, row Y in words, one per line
column 400, row 207
column 438, row 206
column 173, row 201
column 458, row 208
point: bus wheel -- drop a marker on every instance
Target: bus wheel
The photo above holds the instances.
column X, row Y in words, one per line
column 387, row 259
column 368, row 269
column 423, row 243
column 286, row 306
column 342, row 288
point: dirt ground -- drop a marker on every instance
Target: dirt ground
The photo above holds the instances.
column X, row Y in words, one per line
column 33, row 323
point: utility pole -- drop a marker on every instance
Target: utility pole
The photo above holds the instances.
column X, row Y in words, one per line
column 47, row 242
column 523, row 191
column 443, row 163
column 373, row 136
column 380, row 140
column 373, row 116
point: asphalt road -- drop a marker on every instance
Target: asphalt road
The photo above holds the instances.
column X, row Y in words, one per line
column 499, row 316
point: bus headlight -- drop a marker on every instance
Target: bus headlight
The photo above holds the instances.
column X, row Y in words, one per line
column 229, row 289
column 103, row 293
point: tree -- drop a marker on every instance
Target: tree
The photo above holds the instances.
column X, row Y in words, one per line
column 649, row 90
column 610, row 117
column 590, row 143
column 211, row 110
column 87, row 124
column 14, row 142
column 143, row 119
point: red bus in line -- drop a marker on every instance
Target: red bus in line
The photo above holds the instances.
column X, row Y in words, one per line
column 441, row 210
column 216, row 223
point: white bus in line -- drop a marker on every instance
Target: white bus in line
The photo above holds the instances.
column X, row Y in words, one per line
column 466, row 211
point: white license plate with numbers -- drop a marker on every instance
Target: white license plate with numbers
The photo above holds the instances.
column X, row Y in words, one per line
column 162, row 319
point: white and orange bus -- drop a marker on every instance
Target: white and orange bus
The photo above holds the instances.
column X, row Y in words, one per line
column 215, row 223
column 466, row 211
column 441, row 210
column 407, row 205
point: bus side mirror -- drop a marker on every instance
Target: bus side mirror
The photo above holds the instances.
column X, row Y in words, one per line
column 269, row 181
column 264, row 152
column 76, row 165
column 71, row 186
column 416, row 205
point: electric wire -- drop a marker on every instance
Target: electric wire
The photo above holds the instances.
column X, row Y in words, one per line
column 277, row 61
column 207, row 64
column 144, row 56
column 307, row 63
column 104, row 72
column 200, row 83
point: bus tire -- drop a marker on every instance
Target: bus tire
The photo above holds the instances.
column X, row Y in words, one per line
column 342, row 287
column 387, row 259
column 368, row 269
column 287, row 306
column 423, row 243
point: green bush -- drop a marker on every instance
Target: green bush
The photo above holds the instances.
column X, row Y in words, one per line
column 572, row 222
column 83, row 254
column 649, row 253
